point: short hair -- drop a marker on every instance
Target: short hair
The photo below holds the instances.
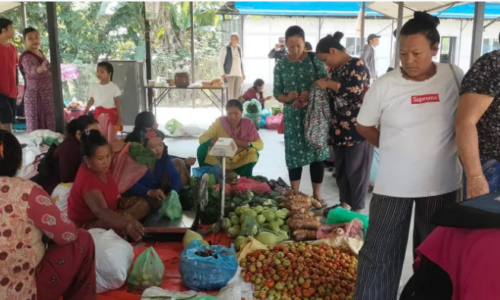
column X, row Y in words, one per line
column 258, row 82
column 309, row 47
column 108, row 67
column 235, row 34
column 80, row 124
column 425, row 24
column 28, row 30
column 12, row 154
column 234, row 103
column 4, row 24
column 91, row 140
column 295, row 31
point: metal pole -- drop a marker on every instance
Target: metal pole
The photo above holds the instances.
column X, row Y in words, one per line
column 24, row 16
column 392, row 42
column 401, row 6
column 363, row 10
column 191, row 13
column 477, row 31
column 55, row 66
column 460, row 43
column 147, row 39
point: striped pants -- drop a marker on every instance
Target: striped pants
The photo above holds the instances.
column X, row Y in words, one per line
column 382, row 256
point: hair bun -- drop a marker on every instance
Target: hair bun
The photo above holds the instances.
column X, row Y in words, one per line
column 338, row 36
column 422, row 16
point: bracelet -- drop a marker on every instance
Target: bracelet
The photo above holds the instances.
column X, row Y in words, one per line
column 475, row 177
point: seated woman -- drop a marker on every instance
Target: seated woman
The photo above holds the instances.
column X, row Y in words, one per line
column 94, row 199
column 161, row 177
column 244, row 134
column 257, row 92
column 61, row 165
column 31, row 269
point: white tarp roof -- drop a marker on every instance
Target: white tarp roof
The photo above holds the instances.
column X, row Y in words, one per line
column 390, row 9
column 5, row 6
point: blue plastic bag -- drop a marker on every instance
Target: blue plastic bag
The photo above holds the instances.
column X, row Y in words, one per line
column 200, row 273
column 262, row 122
column 265, row 113
column 214, row 170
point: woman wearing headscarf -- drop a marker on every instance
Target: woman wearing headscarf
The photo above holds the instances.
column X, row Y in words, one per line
column 244, row 134
column 293, row 77
column 409, row 115
column 353, row 154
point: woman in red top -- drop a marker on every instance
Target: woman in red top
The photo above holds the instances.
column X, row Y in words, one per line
column 93, row 200
column 256, row 92
column 30, row 268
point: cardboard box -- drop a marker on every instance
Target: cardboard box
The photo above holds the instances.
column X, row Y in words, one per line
column 224, row 147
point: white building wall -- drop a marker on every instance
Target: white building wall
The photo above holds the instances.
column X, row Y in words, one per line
column 262, row 33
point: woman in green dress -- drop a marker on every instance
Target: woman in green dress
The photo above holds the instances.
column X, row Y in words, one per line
column 293, row 77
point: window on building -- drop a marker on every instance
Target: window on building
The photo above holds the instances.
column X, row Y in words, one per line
column 353, row 46
column 490, row 44
column 447, row 50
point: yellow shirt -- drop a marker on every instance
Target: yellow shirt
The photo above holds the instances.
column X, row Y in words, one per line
column 242, row 157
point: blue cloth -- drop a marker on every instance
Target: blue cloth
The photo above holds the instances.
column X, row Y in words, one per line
column 152, row 181
column 491, row 170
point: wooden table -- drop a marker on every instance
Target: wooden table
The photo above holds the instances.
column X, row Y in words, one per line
column 218, row 95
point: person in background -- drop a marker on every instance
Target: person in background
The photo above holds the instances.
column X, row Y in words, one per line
column 293, row 78
column 353, row 154
column 65, row 268
column 161, row 176
column 244, row 134
column 257, row 92
column 61, row 165
column 478, row 126
column 35, row 68
column 94, row 199
column 309, row 47
column 8, row 75
column 368, row 55
column 105, row 95
column 231, row 67
column 279, row 51
column 414, row 107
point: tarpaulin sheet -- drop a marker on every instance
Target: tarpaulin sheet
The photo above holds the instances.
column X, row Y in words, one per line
column 169, row 254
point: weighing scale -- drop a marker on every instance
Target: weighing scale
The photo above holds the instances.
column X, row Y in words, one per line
column 160, row 228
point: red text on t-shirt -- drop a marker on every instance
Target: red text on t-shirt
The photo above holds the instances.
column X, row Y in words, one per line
column 421, row 99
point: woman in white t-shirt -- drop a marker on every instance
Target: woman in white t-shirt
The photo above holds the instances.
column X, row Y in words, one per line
column 105, row 96
column 414, row 106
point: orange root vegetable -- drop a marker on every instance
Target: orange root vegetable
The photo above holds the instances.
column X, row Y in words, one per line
column 292, row 205
column 316, row 204
column 302, row 216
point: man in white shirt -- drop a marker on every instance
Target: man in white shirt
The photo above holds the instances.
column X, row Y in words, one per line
column 231, row 67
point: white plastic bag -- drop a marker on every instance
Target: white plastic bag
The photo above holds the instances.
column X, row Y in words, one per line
column 60, row 195
column 113, row 259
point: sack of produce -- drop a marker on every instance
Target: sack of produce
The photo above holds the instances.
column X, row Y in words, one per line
column 353, row 229
column 273, row 122
column 147, row 271
column 339, row 215
column 206, row 268
column 113, row 258
column 171, row 208
column 252, row 110
column 60, row 196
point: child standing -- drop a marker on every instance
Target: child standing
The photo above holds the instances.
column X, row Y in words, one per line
column 106, row 97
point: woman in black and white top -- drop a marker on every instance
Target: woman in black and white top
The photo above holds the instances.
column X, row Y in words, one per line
column 414, row 106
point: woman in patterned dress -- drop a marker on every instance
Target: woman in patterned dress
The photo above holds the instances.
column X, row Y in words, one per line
column 353, row 154
column 38, row 101
column 29, row 268
column 293, row 77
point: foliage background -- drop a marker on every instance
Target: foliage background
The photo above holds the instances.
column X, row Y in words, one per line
column 94, row 31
